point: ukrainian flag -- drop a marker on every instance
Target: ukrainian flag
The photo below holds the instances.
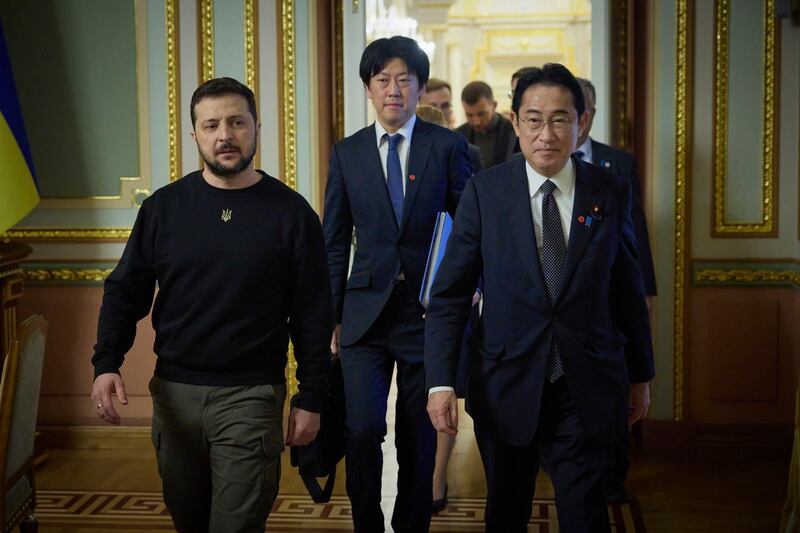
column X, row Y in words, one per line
column 18, row 190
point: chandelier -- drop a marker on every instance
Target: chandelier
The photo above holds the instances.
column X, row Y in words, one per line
column 387, row 22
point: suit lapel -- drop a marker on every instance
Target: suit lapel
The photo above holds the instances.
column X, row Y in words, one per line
column 601, row 156
column 586, row 198
column 374, row 178
column 520, row 217
column 421, row 143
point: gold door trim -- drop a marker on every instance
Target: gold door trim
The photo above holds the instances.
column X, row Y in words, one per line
column 173, row 89
column 289, row 139
column 289, row 104
column 683, row 110
column 206, row 44
column 251, row 57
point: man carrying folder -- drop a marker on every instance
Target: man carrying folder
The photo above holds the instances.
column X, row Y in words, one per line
column 388, row 181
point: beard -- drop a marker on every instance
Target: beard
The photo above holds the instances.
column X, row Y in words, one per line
column 213, row 164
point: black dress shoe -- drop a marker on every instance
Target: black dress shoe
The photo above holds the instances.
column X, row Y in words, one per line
column 439, row 505
column 617, row 494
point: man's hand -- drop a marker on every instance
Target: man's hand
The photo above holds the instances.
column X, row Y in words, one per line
column 639, row 402
column 337, row 331
column 303, row 427
column 443, row 410
column 104, row 386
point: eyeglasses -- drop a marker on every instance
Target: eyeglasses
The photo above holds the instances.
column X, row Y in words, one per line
column 557, row 124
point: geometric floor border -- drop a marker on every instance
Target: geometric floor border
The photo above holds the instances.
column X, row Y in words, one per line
column 146, row 510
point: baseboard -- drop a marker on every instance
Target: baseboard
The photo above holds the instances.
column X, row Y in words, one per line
column 743, row 441
column 94, row 438
column 688, row 440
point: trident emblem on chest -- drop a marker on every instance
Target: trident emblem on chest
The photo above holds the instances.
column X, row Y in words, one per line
column 226, row 215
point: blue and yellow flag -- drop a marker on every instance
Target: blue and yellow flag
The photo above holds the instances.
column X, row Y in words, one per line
column 18, row 190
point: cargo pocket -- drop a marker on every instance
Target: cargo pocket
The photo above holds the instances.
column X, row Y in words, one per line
column 272, row 447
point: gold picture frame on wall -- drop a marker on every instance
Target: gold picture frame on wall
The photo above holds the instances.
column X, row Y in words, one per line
column 767, row 225
column 132, row 188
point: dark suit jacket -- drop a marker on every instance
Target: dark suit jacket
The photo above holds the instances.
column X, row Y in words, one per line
column 475, row 157
column 356, row 196
column 624, row 165
column 505, row 141
column 599, row 320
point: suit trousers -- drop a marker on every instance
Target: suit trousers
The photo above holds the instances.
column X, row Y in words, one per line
column 218, row 452
column 396, row 337
column 576, row 468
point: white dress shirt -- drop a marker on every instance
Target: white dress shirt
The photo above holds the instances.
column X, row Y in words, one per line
column 403, row 149
column 564, row 195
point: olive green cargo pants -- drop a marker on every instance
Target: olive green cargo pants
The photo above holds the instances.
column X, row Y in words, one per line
column 218, row 451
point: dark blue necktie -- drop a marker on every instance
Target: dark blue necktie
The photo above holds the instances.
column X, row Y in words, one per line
column 554, row 250
column 394, row 175
column 579, row 154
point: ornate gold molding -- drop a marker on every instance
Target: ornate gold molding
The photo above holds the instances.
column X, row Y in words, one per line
column 128, row 187
column 619, row 22
column 767, row 225
column 338, row 70
column 206, row 10
column 173, row 88
column 251, row 44
column 10, row 272
column 741, row 276
column 71, row 234
column 251, row 55
column 66, row 274
column 682, row 160
column 289, row 108
column 289, row 139
column 546, row 41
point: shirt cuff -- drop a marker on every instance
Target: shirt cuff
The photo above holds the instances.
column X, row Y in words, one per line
column 440, row 389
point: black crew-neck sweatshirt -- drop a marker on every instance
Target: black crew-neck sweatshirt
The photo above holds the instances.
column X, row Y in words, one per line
column 239, row 271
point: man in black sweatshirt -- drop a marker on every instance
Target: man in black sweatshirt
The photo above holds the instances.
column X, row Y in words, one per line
column 240, row 262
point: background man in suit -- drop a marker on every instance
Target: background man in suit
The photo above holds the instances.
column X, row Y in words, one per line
column 389, row 181
column 492, row 133
column 622, row 164
column 438, row 94
column 564, row 337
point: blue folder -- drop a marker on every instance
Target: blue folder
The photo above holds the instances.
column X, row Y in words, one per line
column 441, row 232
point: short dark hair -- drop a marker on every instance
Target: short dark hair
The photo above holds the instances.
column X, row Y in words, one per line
column 588, row 87
column 435, row 84
column 521, row 72
column 553, row 74
column 219, row 87
column 474, row 91
column 380, row 52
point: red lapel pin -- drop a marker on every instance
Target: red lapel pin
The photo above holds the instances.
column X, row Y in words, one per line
column 412, row 177
column 581, row 219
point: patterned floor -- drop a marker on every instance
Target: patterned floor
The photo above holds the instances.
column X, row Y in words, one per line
column 292, row 513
